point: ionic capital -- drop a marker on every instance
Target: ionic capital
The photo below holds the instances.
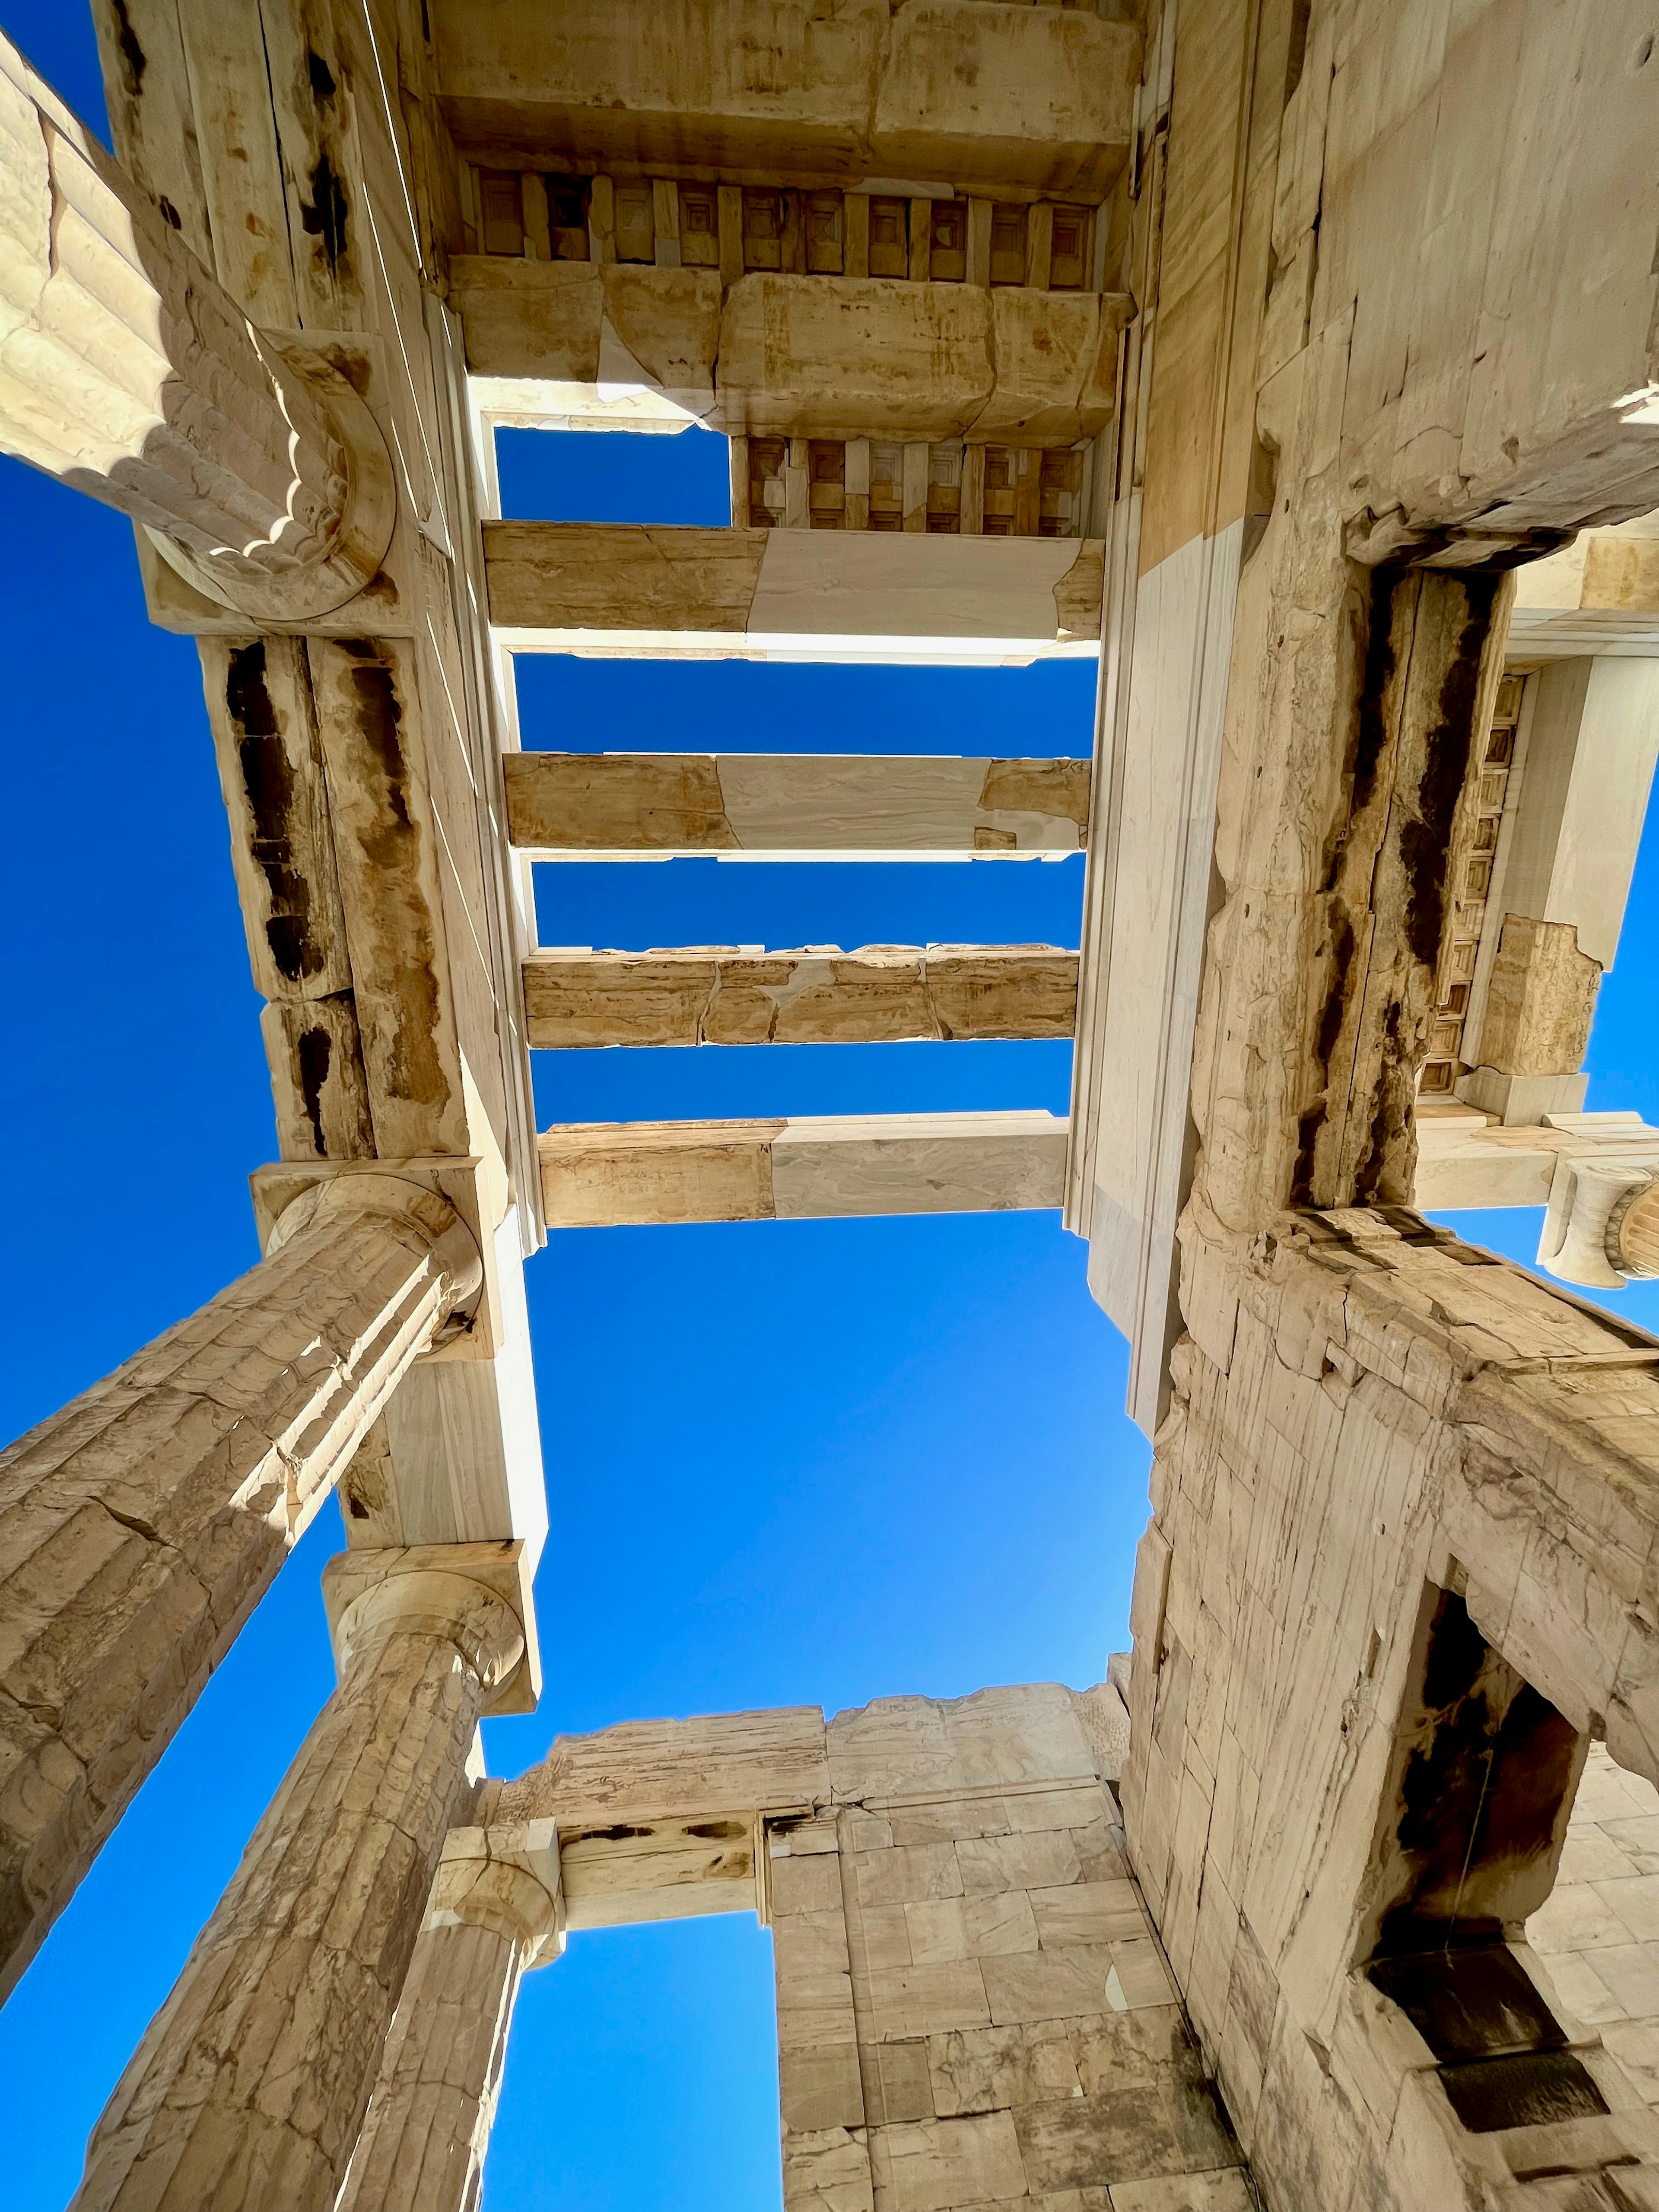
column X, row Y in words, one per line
column 367, row 1191
column 469, row 1595
column 503, row 1877
column 128, row 370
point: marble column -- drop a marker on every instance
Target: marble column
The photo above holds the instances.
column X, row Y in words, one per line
column 494, row 1910
column 249, row 2088
column 141, row 1525
column 129, row 371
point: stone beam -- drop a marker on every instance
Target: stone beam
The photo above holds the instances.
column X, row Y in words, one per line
column 1598, row 596
column 821, row 1167
column 805, row 356
column 662, row 1819
column 1032, row 100
column 1564, row 774
column 720, row 994
column 790, row 595
column 794, row 805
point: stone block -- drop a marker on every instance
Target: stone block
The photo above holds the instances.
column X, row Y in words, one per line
column 990, row 1864
column 898, row 1876
column 1226, row 2190
column 820, row 2088
column 906, row 2087
column 809, row 1885
column 933, row 2166
column 827, row 2170
column 928, row 2000
column 1047, row 1984
column 1080, row 2142
column 1541, row 1001
column 1087, row 1912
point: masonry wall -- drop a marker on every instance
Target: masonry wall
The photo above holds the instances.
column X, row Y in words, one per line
column 1374, row 1426
column 972, row 2007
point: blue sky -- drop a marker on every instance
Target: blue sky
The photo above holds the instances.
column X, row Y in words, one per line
column 787, row 1463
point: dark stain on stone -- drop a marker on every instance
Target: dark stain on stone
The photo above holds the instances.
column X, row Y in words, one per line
column 1295, row 59
column 1371, row 1170
column 134, row 60
column 315, row 1051
column 1483, row 1789
column 621, row 1834
column 1376, row 675
column 323, row 215
column 1424, row 844
column 718, row 1831
column 169, row 213
column 1473, row 2004
column 323, row 86
column 269, row 783
column 391, row 843
column 1331, row 1016
column 1526, row 2089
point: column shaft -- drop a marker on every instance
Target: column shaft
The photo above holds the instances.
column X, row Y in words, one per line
column 249, row 2086
column 127, row 369
column 495, row 1909
column 141, row 1525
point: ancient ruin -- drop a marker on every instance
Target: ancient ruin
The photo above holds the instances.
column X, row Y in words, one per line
column 1296, row 361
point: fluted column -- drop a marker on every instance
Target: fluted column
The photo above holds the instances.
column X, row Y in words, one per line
column 250, row 2086
column 494, row 1910
column 141, row 1525
column 128, row 370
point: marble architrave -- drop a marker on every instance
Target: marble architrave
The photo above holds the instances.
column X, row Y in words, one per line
column 663, row 590
column 719, row 994
column 794, row 805
column 810, row 1168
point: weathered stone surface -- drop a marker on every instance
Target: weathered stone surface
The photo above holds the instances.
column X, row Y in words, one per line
column 249, row 2088
column 719, row 995
column 582, row 323
column 622, row 588
column 607, row 1173
column 1470, row 1449
column 639, row 1769
column 139, row 1527
column 790, row 804
column 1541, row 1000
column 127, row 371
column 1038, row 101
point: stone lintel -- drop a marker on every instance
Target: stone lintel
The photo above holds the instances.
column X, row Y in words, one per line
column 820, row 1167
column 1023, row 101
column 794, row 805
column 654, row 589
column 730, row 994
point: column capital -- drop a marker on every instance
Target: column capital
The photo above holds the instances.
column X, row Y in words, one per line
column 472, row 1594
column 369, row 1190
column 128, row 370
column 504, row 1878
